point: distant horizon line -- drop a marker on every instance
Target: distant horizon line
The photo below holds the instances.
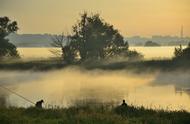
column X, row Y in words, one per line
column 141, row 36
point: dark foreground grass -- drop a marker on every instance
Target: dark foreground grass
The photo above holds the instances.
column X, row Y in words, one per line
column 92, row 115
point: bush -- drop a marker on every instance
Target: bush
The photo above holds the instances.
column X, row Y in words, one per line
column 182, row 54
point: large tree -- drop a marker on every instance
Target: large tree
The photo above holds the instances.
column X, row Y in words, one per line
column 6, row 27
column 94, row 38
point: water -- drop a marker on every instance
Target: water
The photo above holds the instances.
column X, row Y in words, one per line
column 156, row 52
column 148, row 52
column 158, row 90
column 65, row 87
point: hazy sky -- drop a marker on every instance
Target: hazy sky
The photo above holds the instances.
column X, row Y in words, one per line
column 131, row 17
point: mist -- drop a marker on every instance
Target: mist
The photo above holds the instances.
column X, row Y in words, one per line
column 67, row 86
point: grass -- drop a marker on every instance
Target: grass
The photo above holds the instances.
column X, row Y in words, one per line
column 40, row 65
column 144, row 65
column 92, row 115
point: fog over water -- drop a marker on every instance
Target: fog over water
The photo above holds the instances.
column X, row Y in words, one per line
column 167, row 90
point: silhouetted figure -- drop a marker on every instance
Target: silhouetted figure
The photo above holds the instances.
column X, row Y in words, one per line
column 123, row 109
column 124, row 103
column 39, row 104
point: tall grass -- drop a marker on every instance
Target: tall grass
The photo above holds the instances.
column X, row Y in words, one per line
column 87, row 114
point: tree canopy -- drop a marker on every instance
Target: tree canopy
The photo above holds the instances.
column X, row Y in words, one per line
column 6, row 27
column 94, row 38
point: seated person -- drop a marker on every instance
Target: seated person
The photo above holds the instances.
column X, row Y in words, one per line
column 39, row 104
column 124, row 103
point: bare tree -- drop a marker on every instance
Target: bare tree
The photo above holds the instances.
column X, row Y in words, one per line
column 58, row 43
column 63, row 48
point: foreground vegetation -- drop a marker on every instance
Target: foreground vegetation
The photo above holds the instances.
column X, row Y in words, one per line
column 92, row 115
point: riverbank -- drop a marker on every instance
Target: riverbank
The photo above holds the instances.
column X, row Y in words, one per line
column 92, row 115
column 52, row 64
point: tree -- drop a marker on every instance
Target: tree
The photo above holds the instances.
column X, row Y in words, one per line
column 94, row 38
column 67, row 50
column 6, row 27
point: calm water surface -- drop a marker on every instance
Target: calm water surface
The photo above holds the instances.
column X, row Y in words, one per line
column 159, row 90
column 148, row 52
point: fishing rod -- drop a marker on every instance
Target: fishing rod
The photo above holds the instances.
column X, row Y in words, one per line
column 26, row 99
column 7, row 89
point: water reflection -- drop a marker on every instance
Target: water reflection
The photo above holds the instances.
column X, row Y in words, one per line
column 181, row 91
column 65, row 87
column 148, row 52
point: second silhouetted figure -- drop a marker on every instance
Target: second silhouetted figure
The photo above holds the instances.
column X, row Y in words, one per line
column 124, row 103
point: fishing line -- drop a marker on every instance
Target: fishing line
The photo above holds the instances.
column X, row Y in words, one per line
column 7, row 89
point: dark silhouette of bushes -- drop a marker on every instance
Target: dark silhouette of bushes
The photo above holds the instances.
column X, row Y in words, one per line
column 182, row 54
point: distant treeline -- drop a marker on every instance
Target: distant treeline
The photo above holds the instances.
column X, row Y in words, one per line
column 31, row 40
column 44, row 40
column 162, row 40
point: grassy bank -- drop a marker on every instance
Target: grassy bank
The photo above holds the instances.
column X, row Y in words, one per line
column 50, row 64
column 92, row 115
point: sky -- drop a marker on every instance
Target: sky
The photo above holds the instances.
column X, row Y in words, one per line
column 130, row 17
